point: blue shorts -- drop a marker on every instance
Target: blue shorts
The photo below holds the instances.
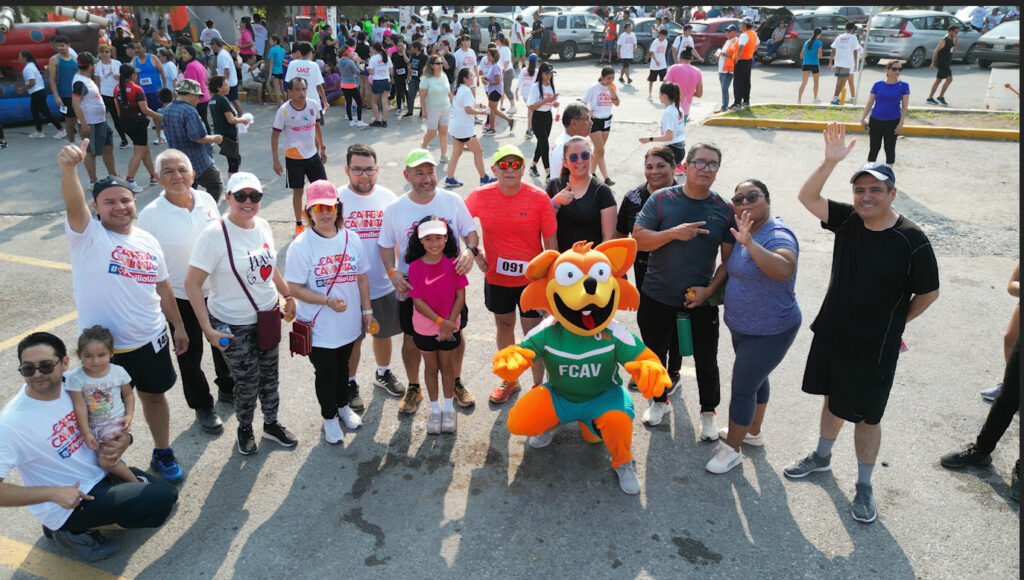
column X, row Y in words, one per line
column 536, row 43
column 380, row 86
column 616, row 398
column 233, row 93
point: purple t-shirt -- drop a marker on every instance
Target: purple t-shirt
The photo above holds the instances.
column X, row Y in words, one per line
column 754, row 303
column 435, row 284
column 888, row 100
column 493, row 71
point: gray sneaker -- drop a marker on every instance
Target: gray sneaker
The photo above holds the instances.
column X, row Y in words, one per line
column 628, row 481
column 90, row 545
column 808, row 465
column 864, row 504
column 209, row 421
column 389, row 383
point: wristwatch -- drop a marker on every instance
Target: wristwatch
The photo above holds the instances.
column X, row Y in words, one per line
column 473, row 249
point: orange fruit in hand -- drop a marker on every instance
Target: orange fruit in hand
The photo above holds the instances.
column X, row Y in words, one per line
column 374, row 328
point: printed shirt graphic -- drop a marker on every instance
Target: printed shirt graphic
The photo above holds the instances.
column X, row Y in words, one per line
column 298, row 129
column 364, row 216
column 114, row 278
column 102, row 394
column 599, row 98
column 626, row 43
column 582, row 367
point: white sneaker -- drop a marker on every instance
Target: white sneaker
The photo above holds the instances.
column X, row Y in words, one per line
column 352, row 123
column 350, row 418
column 655, row 412
column 61, row 134
column 708, row 429
column 434, row 423
column 628, row 481
column 135, row 187
column 361, row 123
column 332, row 431
column 37, row 135
column 817, row 101
column 544, row 439
column 443, row 159
column 725, row 459
column 748, row 439
column 448, row 421
column 512, row 110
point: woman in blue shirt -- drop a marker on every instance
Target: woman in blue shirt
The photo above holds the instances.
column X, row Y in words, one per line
column 887, row 105
column 810, row 56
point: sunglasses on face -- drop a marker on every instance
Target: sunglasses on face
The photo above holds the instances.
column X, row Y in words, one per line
column 45, row 367
column 323, row 208
column 750, row 197
column 896, row 68
column 513, row 165
column 574, row 157
column 253, row 196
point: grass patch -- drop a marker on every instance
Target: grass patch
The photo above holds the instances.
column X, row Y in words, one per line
column 922, row 117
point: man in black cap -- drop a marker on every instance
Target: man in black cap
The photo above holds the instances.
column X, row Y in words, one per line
column 884, row 275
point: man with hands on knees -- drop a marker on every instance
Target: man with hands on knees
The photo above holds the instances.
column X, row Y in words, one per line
column 120, row 281
column 65, row 484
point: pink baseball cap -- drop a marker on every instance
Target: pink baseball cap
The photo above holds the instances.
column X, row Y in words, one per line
column 321, row 191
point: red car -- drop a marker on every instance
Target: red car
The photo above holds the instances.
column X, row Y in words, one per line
column 709, row 34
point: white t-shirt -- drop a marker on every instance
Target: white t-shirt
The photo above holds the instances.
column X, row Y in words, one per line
column 102, row 394
column 364, row 216
column 298, row 129
column 381, row 70
column 626, row 44
column 680, row 44
column 462, row 122
column 308, row 70
column 114, row 278
column 401, row 217
column 224, row 61
column 555, row 156
column 315, row 261
column 207, row 35
column 465, row 58
column 259, row 37
column 517, row 33
column 658, row 49
column 170, row 73
column 526, row 81
column 430, row 38
column 673, row 120
column 505, row 57
column 177, row 228
column 107, row 73
column 599, row 98
column 31, row 71
column 457, row 28
column 42, row 441
column 255, row 256
column 534, row 95
column 378, row 33
column 93, row 109
column 845, row 46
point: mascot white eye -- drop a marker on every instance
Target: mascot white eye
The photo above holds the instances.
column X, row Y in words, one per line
column 567, row 274
column 600, row 272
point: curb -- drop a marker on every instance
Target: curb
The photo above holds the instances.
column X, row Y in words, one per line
column 918, row 130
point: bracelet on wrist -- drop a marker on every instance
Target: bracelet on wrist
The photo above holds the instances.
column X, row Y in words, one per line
column 390, row 272
column 439, row 320
column 367, row 311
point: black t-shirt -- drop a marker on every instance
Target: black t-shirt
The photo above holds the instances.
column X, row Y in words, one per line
column 580, row 219
column 363, row 50
column 628, row 210
column 219, row 105
column 874, row 276
column 401, row 64
column 450, row 71
column 121, row 47
column 495, row 29
column 416, row 64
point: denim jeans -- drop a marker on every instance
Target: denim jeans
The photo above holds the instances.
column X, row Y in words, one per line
column 725, row 79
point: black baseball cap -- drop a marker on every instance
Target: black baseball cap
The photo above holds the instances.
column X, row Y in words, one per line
column 108, row 182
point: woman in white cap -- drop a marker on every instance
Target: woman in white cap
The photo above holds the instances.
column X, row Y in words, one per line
column 326, row 272
column 237, row 256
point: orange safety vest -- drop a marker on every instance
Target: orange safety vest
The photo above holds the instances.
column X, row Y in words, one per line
column 748, row 49
column 730, row 51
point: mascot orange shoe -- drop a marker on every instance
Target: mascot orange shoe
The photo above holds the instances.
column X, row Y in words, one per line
column 581, row 347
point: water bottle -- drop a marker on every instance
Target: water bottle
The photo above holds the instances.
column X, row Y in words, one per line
column 223, row 329
column 685, row 334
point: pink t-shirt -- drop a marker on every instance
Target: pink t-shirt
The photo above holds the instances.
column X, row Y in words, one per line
column 687, row 77
column 197, row 72
column 435, row 284
column 244, row 38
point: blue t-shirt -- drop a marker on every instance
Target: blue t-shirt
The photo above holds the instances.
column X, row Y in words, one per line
column 811, row 52
column 754, row 303
column 277, row 55
column 888, row 100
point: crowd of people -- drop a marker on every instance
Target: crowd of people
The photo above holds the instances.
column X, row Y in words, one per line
column 211, row 274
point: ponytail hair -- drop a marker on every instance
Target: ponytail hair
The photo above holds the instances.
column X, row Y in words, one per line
column 532, row 68
column 814, row 36
column 126, row 71
column 671, row 90
column 380, row 50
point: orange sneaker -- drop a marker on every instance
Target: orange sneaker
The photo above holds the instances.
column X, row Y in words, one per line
column 299, row 229
column 411, row 400
column 502, row 392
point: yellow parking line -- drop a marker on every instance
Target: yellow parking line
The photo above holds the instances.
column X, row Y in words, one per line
column 35, row 261
column 25, row 558
column 59, row 321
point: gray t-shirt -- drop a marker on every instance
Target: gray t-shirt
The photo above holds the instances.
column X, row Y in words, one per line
column 754, row 303
column 349, row 71
column 678, row 265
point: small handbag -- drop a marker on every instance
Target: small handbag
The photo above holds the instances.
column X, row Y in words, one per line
column 300, row 339
column 268, row 322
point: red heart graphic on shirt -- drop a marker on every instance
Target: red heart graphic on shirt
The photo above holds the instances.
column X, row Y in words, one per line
column 265, row 271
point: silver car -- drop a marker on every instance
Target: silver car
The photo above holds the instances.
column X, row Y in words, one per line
column 912, row 35
column 1001, row 44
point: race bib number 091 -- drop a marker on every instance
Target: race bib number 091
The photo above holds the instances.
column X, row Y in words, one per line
column 510, row 267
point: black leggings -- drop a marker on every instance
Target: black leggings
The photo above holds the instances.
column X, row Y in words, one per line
column 542, row 130
column 41, row 112
column 112, row 109
column 330, row 367
column 352, row 96
column 401, row 92
column 1000, row 414
column 880, row 131
column 202, row 108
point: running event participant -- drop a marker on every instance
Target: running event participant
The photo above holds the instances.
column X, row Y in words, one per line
column 296, row 127
column 600, row 97
column 658, row 52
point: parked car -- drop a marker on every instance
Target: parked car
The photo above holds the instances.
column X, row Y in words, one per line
column 709, row 34
column 798, row 32
column 1001, row 44
column 569, row 33
column 912, row 35
column 858, row 14
column 964, row 14
column 643, row 28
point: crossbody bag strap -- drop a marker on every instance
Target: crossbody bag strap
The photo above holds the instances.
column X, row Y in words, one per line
column 231, row 262
column 335, row 278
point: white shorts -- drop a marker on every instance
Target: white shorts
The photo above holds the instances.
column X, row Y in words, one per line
column 435, row 118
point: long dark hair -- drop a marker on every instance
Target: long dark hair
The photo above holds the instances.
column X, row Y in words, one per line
column 27, row 56
column 671, row 90
column 191, row 50
column 380, row 50
column 532, row 68
column 247, row 24
column 814, row 36
column 415, row 251
column 126, row 71
column 463, row 73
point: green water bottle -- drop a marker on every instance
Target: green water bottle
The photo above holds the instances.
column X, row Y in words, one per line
column 685, row 335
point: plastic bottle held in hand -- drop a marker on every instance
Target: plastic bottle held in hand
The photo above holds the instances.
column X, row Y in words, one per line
column 223, row 329
column 685, row 334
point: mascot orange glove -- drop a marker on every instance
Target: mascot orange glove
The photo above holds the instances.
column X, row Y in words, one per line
column 512, row 361
column 650, row 377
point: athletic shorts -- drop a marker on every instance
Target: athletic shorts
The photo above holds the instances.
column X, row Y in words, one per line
column 102, row 137
column 278, row 76
column 150, row 369
column 494, row 96
column 68, row 106
column 614, row 398
column 598, row 125
column 136, row 130
column 608, row 45
column 385, row 312
column 813, row 68
column 505, row 299
column 153, row 102
column 405, row 309
column 431, row 344
column 626, row 62
column 518, row 50
column 437, row 118
column 380, row 86
column 656, row 75
column 678, row 151
column 842, row 72
column 462, row 139
column 297, row 169
column 536, row 43
column 943, row 72
column 856, row 377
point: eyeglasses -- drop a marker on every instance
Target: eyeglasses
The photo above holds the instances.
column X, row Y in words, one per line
column 574, row 157
column 253, row 196
column 368, row 171
column 513, row 165
column 323, row 208
column 435, row 64
column 45, row 367
column 750, row 197
column 896, row 68
column 702, row 165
